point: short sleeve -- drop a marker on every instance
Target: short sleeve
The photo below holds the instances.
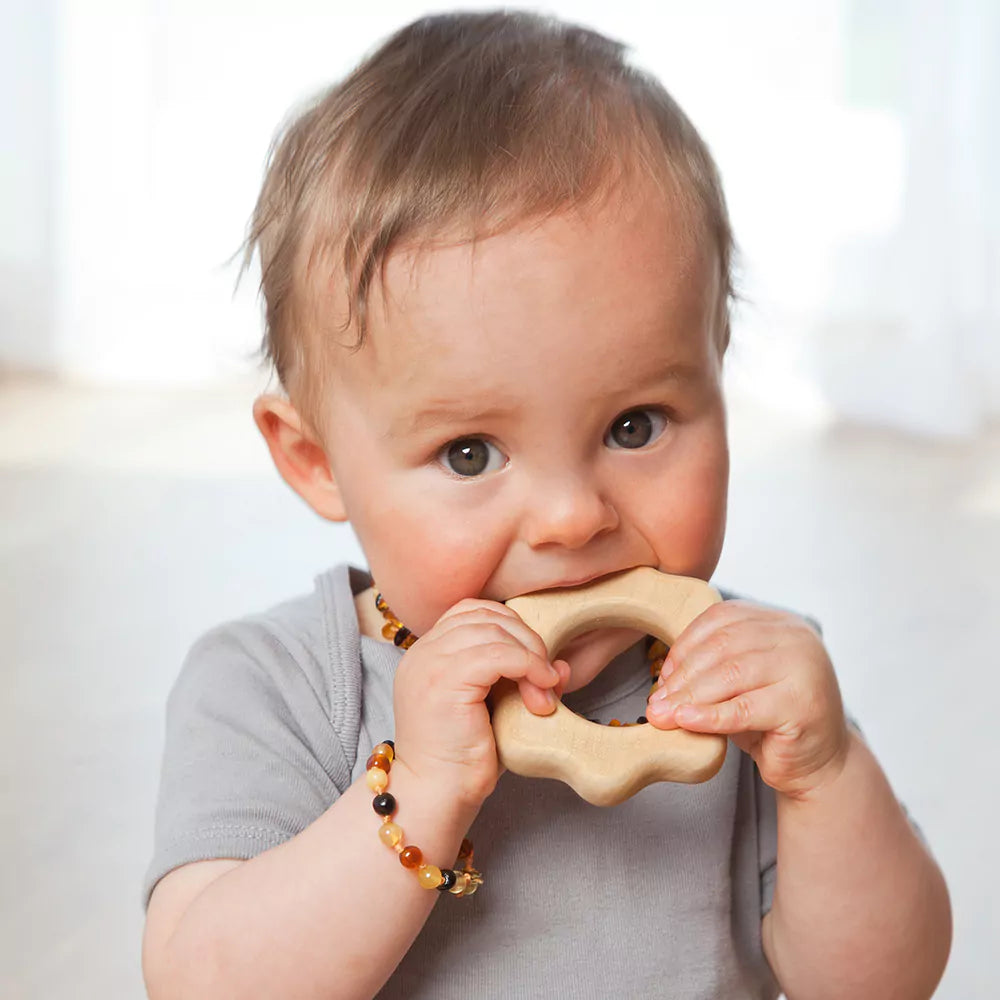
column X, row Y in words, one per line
column 250, row 755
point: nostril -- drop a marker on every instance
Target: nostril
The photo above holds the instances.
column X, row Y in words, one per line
column 570, row 520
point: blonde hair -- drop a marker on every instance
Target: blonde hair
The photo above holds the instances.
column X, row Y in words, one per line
column 475, row 121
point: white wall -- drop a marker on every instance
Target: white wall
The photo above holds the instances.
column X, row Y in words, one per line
column 27, row 133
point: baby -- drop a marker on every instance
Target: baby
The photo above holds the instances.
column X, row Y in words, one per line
column 496, row 264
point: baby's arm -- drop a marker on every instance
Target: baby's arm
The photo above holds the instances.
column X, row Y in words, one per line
column 331, row 912
column 860, row 908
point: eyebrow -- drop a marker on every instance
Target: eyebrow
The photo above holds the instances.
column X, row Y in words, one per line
column 465, row 411
column 669, row 373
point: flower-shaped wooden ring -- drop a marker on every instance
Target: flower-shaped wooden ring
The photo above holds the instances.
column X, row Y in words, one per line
column 605, row 764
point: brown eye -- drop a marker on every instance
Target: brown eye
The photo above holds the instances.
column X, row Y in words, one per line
column 470, row 457
column 636, row 429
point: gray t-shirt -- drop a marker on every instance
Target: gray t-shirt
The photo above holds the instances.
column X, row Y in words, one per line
column 274, row 715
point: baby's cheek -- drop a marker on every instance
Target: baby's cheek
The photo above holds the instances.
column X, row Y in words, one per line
column 705, row 507
column 432, row 564
column 690, row 528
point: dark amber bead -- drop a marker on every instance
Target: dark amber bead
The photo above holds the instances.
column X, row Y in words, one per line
column 380, row 761
column 658, row 649
column 448, row 879
column 411, row 857
column 642, row 720
column 385, row 804
column 465, row 851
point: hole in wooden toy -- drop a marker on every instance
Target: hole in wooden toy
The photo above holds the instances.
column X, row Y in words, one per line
column 604, row 640
column 590, row 651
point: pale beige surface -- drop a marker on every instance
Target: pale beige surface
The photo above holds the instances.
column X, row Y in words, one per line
column 130, row 521
column 605, row 764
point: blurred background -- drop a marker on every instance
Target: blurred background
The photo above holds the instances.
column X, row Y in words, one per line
column 859, row 143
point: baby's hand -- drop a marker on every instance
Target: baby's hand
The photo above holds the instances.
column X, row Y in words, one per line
column 764, row 678
column 443, row 730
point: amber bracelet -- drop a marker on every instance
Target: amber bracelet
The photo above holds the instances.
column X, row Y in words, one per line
column 462, row 880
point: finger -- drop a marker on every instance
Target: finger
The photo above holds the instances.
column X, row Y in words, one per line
column 759, row 710
column 715, row 683
column 542, row 701
column 725, row 664
column 536, row 700
column 485, row 663
column 536, row 678
column 564, row 675
column 476, row 603
column 510, row 623
column 727, row 617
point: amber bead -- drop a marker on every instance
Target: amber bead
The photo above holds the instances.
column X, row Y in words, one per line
column 411, row 857
column 390, row 833
column 448, row 879
column 465, row 851
column 377, row 779
column 429, row 876
column 461, row 884
column 384, row 804
column 385, row 749
column 380, row 761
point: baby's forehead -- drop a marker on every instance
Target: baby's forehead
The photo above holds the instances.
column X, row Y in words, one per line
column 634, row 255
column 582, row 298
column 461, row 325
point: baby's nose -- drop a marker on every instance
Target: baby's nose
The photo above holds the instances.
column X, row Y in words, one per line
column 567, row 511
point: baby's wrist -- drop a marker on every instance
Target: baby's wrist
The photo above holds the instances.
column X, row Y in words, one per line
column 430, row 798
column 440, row 818
column 829, row 775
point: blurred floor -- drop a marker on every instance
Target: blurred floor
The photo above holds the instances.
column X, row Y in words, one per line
column 131, row 520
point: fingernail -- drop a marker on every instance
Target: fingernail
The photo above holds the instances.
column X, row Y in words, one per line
column 551, row 697
column 657, row 707
column 666, row 670
column 660, row 694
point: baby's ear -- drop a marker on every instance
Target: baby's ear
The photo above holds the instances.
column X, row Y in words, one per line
column 299, row 456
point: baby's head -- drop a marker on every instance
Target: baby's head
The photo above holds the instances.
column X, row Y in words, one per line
column 496, row 266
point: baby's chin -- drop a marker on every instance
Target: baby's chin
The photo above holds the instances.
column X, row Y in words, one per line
column 588, row 654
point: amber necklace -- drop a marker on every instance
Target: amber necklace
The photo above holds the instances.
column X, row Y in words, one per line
column 394, row 629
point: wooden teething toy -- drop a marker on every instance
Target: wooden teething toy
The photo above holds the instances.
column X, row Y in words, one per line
column 605, row 765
